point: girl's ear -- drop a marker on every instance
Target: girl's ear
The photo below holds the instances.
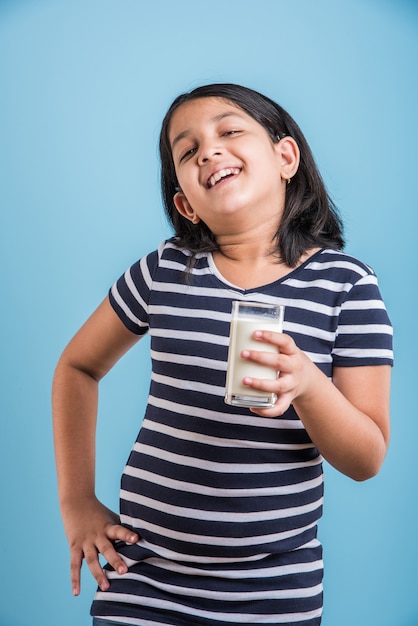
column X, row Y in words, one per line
column 184, row 208
column 289, row 155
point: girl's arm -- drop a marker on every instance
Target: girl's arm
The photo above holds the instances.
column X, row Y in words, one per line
column 90, row 527
column 346, row 418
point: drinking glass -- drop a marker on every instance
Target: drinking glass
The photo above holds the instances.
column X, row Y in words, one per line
column 248, row 317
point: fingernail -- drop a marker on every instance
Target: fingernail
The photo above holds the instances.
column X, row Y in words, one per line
column 245, row 354
column 121, row 570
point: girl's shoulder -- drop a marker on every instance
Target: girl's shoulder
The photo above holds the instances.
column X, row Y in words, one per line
column 340, row 262
column 168, row 255
column 170, row 251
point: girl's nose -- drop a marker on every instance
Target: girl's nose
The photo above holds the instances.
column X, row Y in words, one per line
column 207, row 152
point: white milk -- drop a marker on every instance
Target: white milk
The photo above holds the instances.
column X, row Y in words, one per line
column 242, row 329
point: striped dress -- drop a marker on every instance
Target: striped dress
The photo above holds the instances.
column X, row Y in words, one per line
column 226, row 503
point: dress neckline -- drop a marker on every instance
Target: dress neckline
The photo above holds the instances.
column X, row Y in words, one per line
column 215, row 271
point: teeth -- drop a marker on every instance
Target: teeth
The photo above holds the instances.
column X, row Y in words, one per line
column 222, row 174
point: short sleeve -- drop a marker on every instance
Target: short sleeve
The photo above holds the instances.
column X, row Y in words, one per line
column 130, row 294
column 364, row 334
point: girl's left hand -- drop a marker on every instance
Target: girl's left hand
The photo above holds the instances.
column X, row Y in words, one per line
column 294, row 367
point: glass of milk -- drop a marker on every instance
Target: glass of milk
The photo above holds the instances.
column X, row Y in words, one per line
column 248, row 317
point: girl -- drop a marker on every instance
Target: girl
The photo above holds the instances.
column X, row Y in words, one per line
column 220, row 504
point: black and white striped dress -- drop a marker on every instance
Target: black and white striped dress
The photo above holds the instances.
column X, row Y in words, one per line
column 227, row 503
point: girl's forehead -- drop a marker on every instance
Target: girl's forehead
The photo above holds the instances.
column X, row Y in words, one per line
column 207, row 103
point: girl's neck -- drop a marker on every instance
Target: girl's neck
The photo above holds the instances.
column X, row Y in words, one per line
column 253, row 264
column 253, row 244
column 251, row 252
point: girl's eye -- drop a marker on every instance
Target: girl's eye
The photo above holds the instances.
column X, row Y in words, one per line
column 230, row 132
column 187, row 154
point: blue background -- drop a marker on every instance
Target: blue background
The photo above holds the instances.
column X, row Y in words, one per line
column 84, row 85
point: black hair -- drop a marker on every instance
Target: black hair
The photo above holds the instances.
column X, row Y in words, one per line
column 310, row 218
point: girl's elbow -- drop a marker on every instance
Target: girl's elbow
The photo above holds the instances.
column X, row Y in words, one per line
column 365, row 474
column 371, row 466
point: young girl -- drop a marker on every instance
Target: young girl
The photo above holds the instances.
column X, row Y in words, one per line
column 220, row 504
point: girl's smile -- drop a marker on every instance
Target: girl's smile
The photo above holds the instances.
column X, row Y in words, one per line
column 221, row 175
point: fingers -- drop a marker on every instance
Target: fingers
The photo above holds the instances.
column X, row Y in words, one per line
column 106, row 548
column 115, row 532
column 277, row 362
column 76, row 560
column 91, row 555
column 91, row 549
column 288, row 362
column 284, row 342
column 283, row 360
column 280, row 407
column 283, row 387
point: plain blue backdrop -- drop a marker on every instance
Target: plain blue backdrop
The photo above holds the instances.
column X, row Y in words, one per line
column 84, row 85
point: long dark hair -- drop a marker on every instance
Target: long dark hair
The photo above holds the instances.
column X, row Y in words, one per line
column 310, row 218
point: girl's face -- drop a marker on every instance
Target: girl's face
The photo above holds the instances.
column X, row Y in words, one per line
column 227, row 166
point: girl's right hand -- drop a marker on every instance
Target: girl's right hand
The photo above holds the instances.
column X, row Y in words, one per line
column 91, row 529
